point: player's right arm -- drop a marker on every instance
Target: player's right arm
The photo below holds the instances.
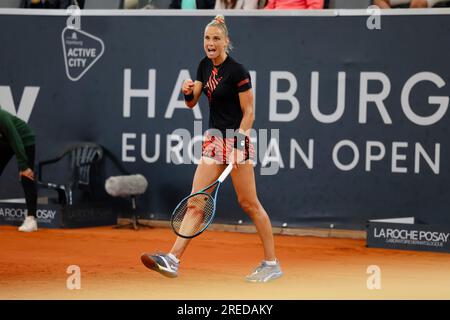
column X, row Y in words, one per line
column 192, row 92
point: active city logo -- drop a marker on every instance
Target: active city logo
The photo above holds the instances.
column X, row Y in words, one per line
column 81, row 49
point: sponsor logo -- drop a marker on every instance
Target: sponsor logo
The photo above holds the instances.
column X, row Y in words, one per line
column 412, row 237
column 17, row 214
column 81, row 49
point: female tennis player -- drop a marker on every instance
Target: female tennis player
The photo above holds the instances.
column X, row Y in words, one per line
column 227, row 85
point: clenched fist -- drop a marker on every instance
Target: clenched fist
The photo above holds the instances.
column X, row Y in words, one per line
column 188, row 86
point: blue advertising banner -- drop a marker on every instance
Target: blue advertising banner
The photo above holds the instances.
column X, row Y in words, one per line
column 351, row 110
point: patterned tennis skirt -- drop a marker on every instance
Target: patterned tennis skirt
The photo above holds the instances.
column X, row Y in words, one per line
column 219, row 149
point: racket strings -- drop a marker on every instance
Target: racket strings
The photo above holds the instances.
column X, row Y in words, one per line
column 193, row 214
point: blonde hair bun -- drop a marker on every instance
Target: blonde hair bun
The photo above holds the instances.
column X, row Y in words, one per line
column 220, row 18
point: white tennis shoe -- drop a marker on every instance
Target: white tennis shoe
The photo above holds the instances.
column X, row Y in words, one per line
column 265, row 272
column 29, row 225
column 161, row 263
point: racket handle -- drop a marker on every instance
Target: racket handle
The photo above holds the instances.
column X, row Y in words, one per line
column 225, row 173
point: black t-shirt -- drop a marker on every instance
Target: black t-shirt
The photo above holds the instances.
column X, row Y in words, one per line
column 222, row 84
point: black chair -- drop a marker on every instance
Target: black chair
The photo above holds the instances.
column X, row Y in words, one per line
column 83, row 157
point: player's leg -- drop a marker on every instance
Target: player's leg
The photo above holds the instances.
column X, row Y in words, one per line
column 208, row 170
column 245, row 187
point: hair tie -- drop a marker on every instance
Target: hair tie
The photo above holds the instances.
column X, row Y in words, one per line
column 219, row 19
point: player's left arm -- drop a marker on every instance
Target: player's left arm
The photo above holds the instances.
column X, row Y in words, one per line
column 246, row 101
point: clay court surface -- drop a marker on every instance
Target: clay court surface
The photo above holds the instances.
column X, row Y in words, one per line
column 33, row 266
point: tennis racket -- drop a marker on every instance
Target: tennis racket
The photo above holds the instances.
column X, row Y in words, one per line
column 195, row 212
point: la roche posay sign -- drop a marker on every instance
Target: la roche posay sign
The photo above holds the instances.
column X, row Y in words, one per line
column 409, row 237
column 16, row 214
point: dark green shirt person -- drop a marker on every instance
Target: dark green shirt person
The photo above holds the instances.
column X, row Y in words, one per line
column 18, row 135
column 17, row 138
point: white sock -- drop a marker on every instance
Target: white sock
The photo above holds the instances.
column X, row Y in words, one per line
column 271, row 263
column 171, row 256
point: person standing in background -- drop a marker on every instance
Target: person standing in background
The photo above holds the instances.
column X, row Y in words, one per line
column 17, row 138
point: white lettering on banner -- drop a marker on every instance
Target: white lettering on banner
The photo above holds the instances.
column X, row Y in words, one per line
column 174, row 151
column 181, row 147
column 195, row 153
column 380, row 234
column 364, row 98
column 155, row 157
column 81, row 49
column 187, row 149
column 441, row 101
column 275, row 115
column 378, row 98
column 434, row 165
column 374, row 157
column 307, row 159
column 337, row 114
column 353, row 163
column 20, row 214
column 11, row 213
column 396, row 157
column 82, row 52
column 174, row 103
column 275, row 96
column 127, row 147
column 148, row 93
column 412, row 236
column 434, row 236
column 78, row 54
column 272, row 154
column 26, row 104
column 45, row 214
column 191, row 145
column 76, row 63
